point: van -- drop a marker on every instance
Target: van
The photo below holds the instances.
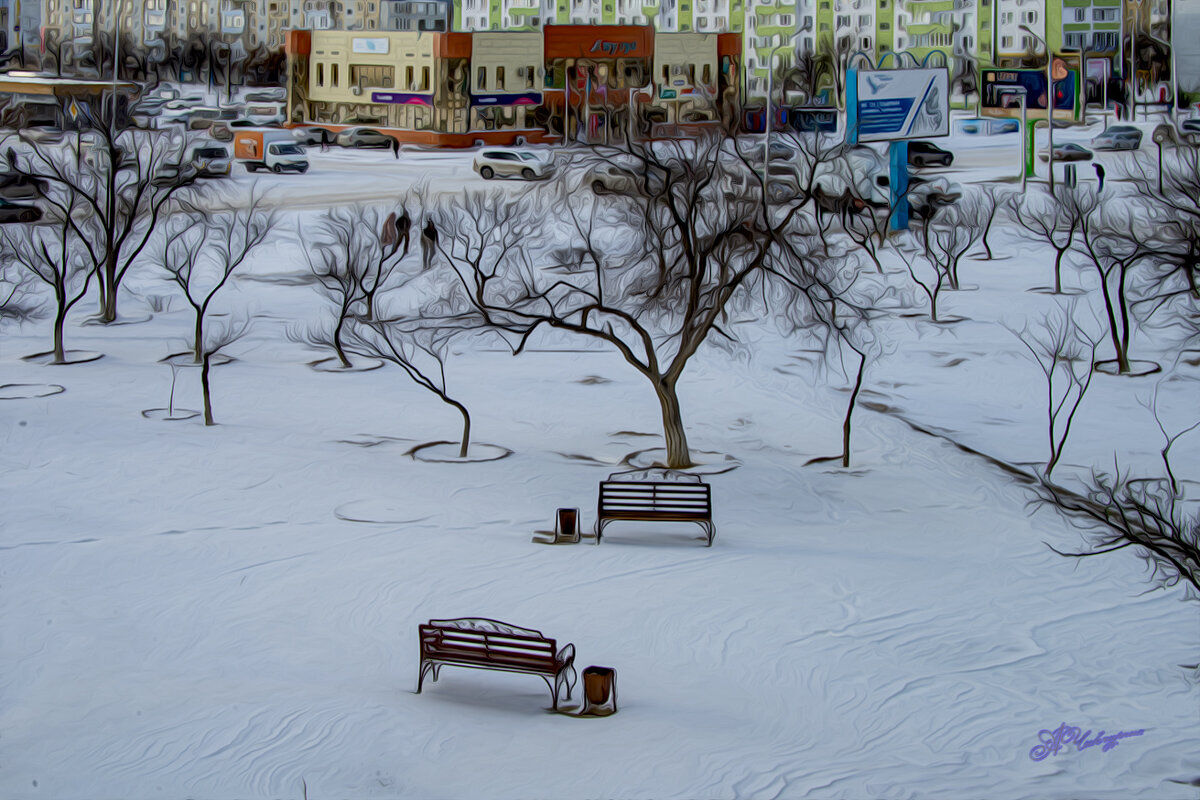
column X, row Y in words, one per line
column 275, row 150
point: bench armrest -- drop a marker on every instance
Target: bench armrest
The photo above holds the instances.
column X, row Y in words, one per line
column 566, row 654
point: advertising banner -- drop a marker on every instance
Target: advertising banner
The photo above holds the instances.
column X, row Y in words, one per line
column 896, row 104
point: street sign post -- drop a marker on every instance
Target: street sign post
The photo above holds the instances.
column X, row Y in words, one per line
column 895, row 105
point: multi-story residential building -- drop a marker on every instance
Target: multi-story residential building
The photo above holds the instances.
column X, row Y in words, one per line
column 417, row 15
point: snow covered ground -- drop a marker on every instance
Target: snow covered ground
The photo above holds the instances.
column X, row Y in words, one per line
column 231, row 612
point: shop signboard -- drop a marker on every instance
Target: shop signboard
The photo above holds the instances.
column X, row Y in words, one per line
column 897, row 104
column 362, row 44
column 523, row 99
column 402, row 98
column 1002, row 89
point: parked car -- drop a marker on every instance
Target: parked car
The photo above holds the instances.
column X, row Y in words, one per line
column 1118, row 137
column 312, row 135
column 271, row 95
column 1069, row 152
column 526, row 164
column 607, row 178
column 14, row 186
column 925, row 154
column 363, row 137
column 223, row 130
column 265, row 113
column 988, row 126
column 18, row 212
column 42, row 134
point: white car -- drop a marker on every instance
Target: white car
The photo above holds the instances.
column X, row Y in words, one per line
column 527, row 164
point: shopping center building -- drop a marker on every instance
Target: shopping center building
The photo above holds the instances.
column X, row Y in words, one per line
column 597, row 83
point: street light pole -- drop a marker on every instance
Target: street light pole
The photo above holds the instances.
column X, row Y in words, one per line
column 116, row 7
column 1049, row 100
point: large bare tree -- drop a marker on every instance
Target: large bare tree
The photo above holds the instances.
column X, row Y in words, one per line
column 657, row 268
column 118, row 182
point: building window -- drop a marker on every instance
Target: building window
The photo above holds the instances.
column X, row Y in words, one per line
column 530, row 72
column 320, row 74
column 424, row 79
column 706, row 75
column 333, row 76
column 1006, row 41
column 481, row 78
column 500, row 84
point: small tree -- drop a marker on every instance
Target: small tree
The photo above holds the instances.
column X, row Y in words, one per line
column 418, row 348
column 216, row 338
column 1055, row 218
column 1065, row 353
column 1111, row 243
column 53, row 255
column 202, row 249
column 949, row 236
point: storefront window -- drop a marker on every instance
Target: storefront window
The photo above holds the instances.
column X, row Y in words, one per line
column 500, row 78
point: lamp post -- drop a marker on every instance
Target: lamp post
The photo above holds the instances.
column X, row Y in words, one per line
column 116, row 7
column 1021, row 92
column 1049, row 101
column 771, row 90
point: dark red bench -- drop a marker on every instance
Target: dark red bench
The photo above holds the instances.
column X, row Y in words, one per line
column 685, row 498
column 489, row 644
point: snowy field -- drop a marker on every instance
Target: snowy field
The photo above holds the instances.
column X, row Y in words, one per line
column 232, row 611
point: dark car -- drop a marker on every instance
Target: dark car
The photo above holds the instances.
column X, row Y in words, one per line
column 14, row 186
column 313, row 135
column 18, row 212
column 1069, row 152
column 926, row 154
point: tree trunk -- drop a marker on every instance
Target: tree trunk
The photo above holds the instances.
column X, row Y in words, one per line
column 678, row 455
column 862, row 364
column 466, row 434
column 60, row 318
column 198, row 341
column 1113, row 332
column 1058, row 270
column 208, row 415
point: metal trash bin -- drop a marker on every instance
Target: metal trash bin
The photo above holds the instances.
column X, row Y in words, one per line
column 599, row 691
column 566, row 526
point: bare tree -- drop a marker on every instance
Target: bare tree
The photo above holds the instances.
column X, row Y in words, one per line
column 1111, row 243
column 217, row 337
column 202, row 249
column 1055, row 218
column 420, row 349
column 119, row 186
column 17, row 301
column 1065, row 353
column 51, row 254
column 686, row 259
column 1151, row 516
column 949, row 236
column 991, row 203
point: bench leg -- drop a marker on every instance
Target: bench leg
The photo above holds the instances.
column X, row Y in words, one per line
column 425, row 667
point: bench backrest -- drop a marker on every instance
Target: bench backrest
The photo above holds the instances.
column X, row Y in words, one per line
column 488, row 647
column 667, row 499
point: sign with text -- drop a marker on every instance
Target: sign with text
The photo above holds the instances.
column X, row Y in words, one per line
column 374, row 45
column 1003, row 88
column 896, row 104
column 402, row 98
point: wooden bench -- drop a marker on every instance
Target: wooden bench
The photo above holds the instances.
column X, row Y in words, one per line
column 633, row 496
column 489, row 644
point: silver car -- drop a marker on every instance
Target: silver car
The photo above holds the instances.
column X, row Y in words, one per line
column 525, row 164
column 1118, row 137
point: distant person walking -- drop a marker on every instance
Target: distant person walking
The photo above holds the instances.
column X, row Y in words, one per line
column 395, row 147
column 1099, row 174
column 429, row 238
column 403, row 228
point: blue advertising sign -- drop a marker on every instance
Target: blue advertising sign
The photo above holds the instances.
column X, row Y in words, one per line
column 524, row 99
column 897, row 104
column 402, row 98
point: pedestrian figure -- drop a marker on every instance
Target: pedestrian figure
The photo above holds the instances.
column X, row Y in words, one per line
column 1099, row 174
column 429, row 237
column 403, row 226
column 1069, row 174
column 395, row 147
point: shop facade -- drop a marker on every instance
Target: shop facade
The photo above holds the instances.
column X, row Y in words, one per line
column 593, row 83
